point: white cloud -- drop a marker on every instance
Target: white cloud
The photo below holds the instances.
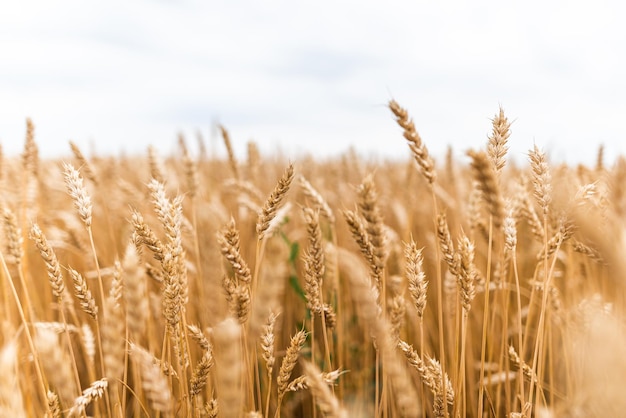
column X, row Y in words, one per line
column 313, row 76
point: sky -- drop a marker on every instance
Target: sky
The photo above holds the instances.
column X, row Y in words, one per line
column 313, row 77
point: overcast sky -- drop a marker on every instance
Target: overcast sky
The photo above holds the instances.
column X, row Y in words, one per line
column 313, row 76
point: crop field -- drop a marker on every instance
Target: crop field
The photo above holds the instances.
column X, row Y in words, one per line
column 187, row 285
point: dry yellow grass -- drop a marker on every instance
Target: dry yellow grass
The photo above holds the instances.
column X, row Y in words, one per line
column 192, row 286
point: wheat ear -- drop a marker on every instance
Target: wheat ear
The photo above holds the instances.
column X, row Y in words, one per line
column 273, row 202
column 83, row 294
column 84, row 164
column 153, row 381
column 78, row 192
column 541, row 178
column 201, row 373
column 497, row 145
column 326, row 401
column 313, row 262
column 54, row 404
column 317, row 199
column 11, row 400
column 95, row 391
column 135, row 293
column 375, row 228
column 485, row 176
column 287, row 365
column 267, row 345
column 229, row 367
column 231, row 154
column 359, row 233
column 420, row 152
column 157, row 168
column 418, row 285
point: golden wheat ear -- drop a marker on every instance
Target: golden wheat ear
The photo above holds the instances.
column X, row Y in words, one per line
column 273, row 202
column 417, row 146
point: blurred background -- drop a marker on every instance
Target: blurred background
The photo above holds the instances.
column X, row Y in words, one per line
column 313, row 76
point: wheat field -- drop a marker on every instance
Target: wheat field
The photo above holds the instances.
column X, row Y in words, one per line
column 188, row 285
